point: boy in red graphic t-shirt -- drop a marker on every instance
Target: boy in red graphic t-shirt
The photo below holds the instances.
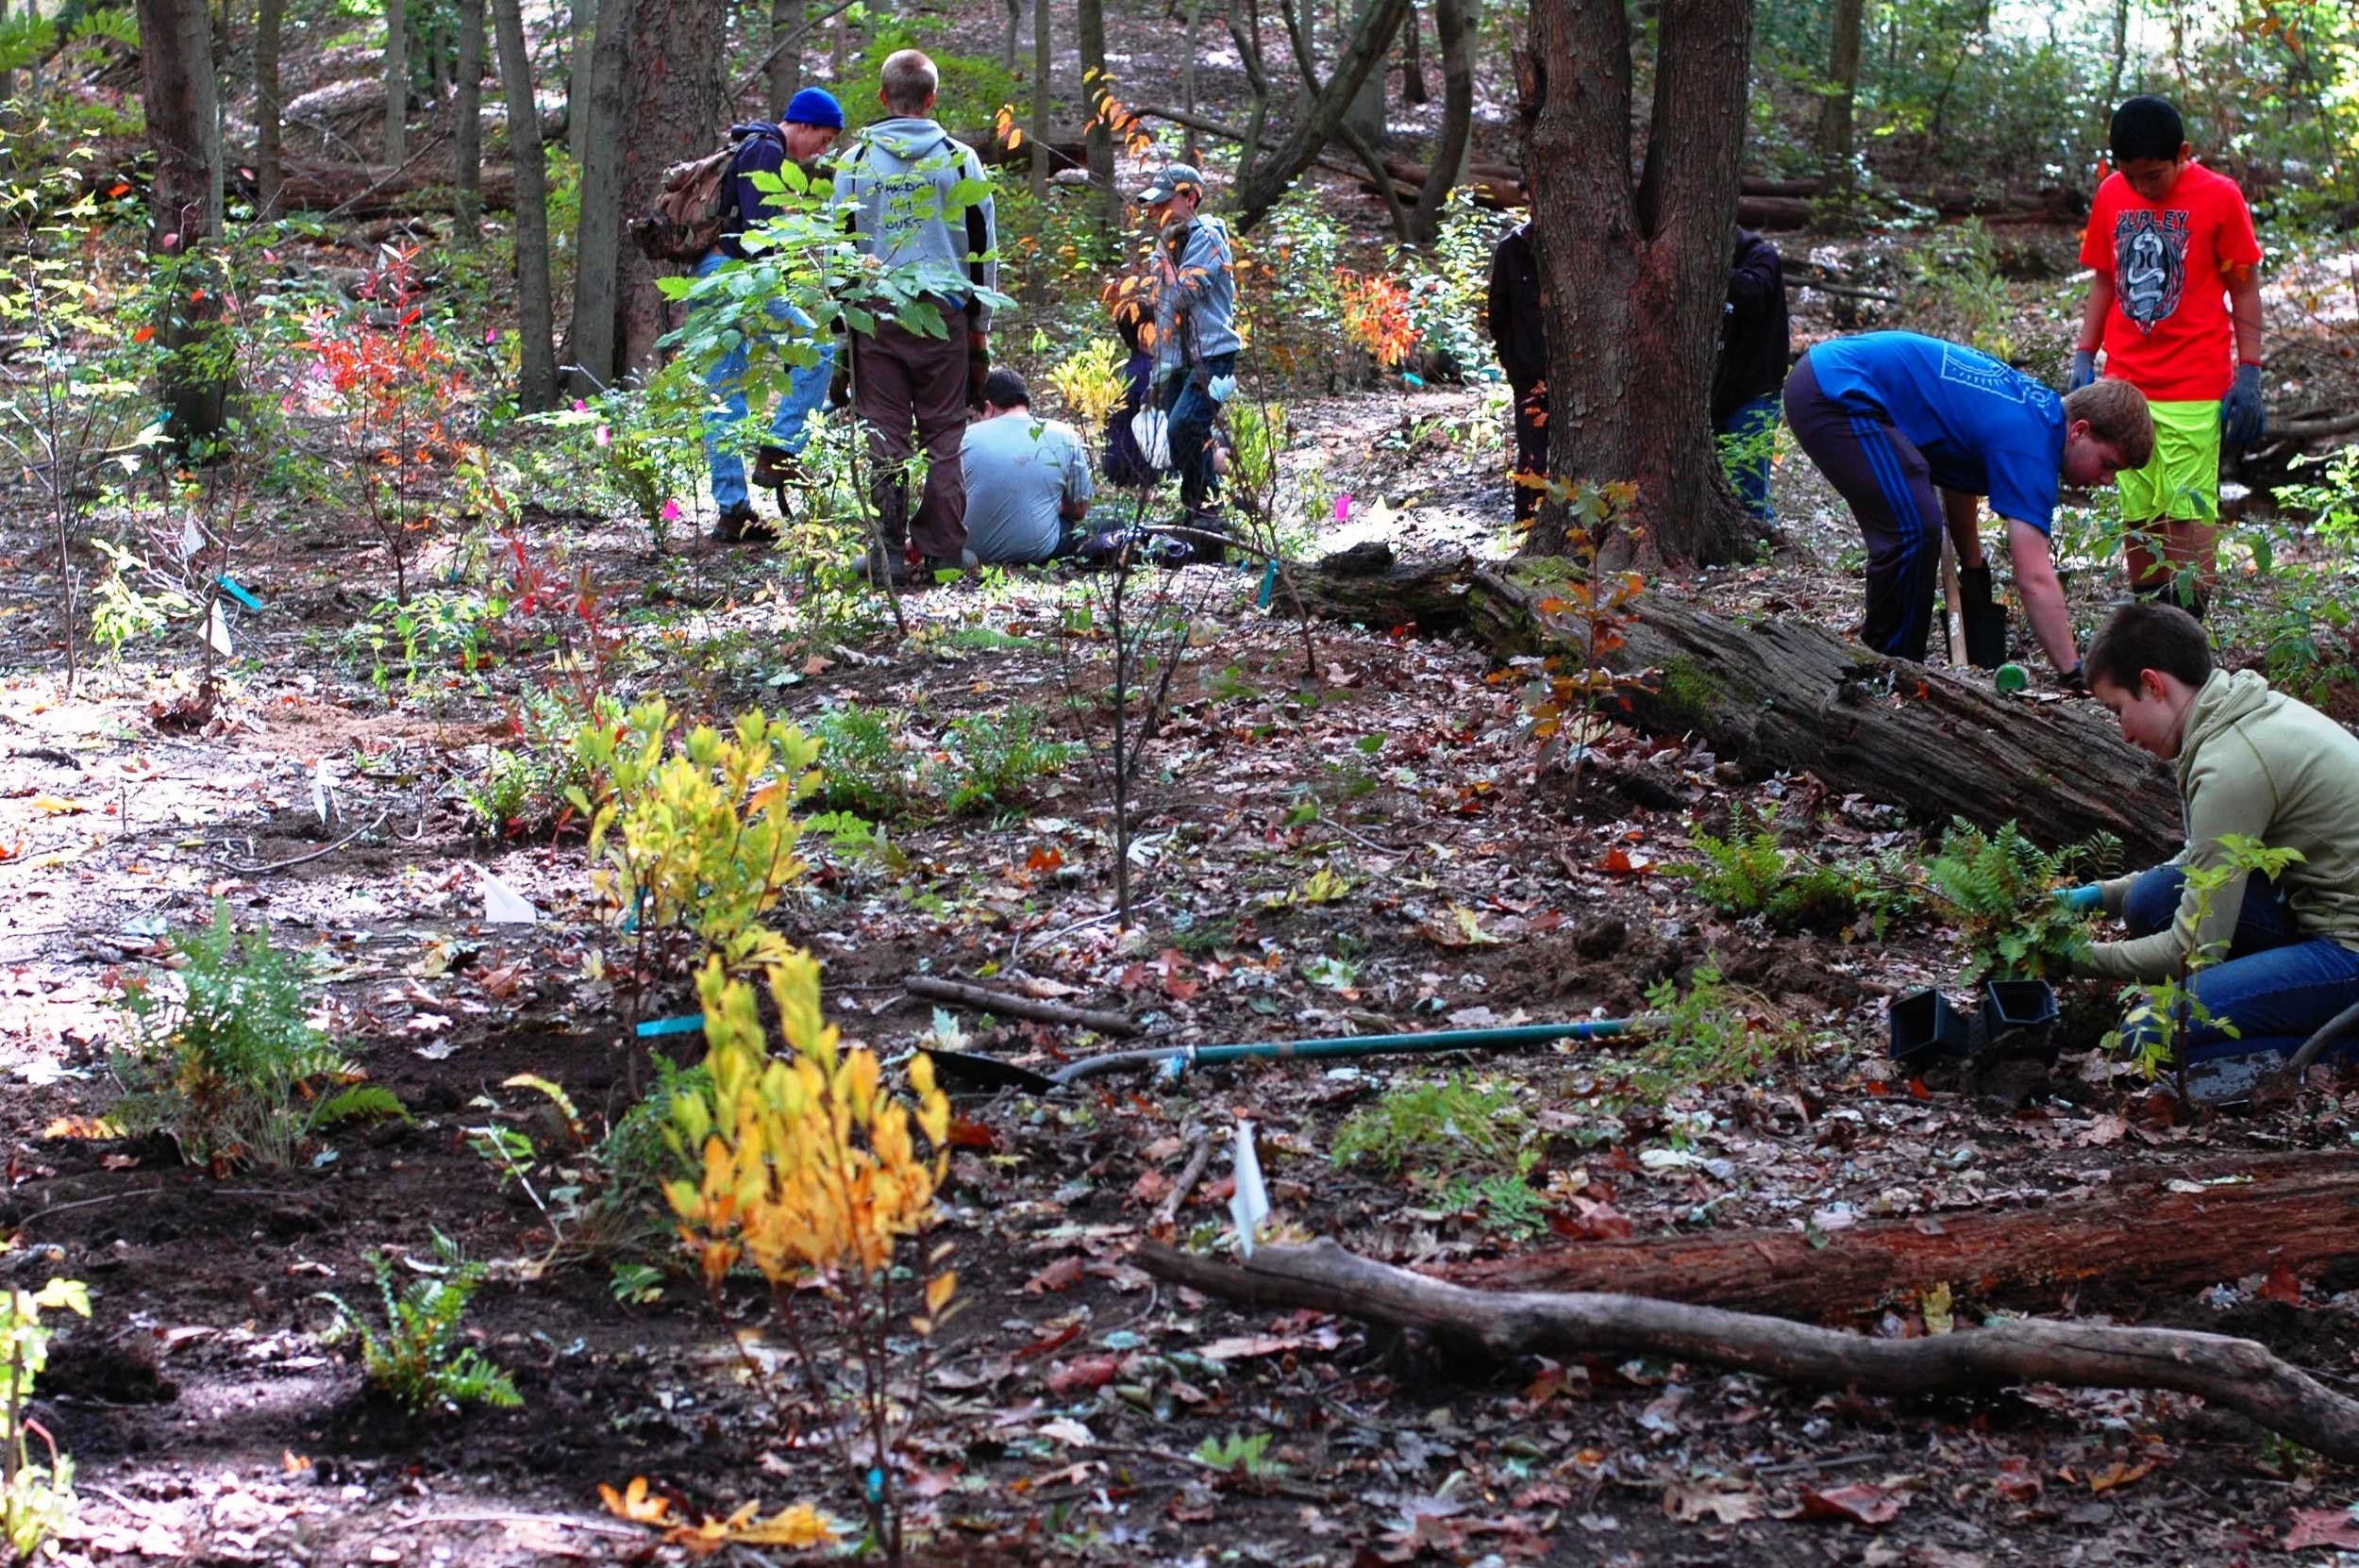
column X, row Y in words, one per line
column 2176, row 305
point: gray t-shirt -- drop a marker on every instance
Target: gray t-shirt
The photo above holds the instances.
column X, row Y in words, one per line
column 1020, row 469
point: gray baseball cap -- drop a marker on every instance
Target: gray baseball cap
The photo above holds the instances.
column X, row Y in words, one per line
column 1174, row 178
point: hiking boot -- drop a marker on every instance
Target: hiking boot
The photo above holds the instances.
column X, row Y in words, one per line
column 738, row 524
column 880, row 569
column 774, row 468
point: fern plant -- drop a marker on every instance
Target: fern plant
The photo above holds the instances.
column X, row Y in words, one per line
column 419, row 1359
column 1751, row 873
column 232, row 1071
column 1995, row 888
column 1000, row 755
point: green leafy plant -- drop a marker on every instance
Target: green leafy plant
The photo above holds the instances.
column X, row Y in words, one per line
column 695, row 840
column 232, row 1071
column 1240, row 1454
column 1995, row 888
column 998, row 757
column 1508, row 1204
column 1458, row 1124
column 1707, row 1036
column 1750, row 871
column 418, row 1358
column 2158, row 1018
column 36, row 1498
column 864, row 765
column 630, row 1217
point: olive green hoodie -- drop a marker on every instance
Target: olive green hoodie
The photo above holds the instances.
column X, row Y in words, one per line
column 2255, row 762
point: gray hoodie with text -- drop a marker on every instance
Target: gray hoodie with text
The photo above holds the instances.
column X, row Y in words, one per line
column 896, row 182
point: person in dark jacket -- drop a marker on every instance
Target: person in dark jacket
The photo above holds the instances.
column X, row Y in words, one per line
column 1125, row 463
column 1512, row 310
column 813, row 120
column 1751, row 369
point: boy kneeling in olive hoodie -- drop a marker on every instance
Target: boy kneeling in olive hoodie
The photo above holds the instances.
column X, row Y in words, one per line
column 2250, row 761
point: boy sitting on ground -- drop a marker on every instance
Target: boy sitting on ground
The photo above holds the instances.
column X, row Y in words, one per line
column 2253, row 762
column 1028, row 479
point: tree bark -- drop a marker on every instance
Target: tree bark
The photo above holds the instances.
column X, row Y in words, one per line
column 1834, row 109
column 1351, row 130
column 1635, row 270
column 2136, row 1242
column 679, row 110
column 270, row 18
column 467, row 128
column 184, row 209
column 1044, row 57
column 584, row 16
column 589, row 348
column 1371, row 32
column 1456, row 37
column 1190, row 151
column 1411, row 59
column 1009, row 38
column 396, row 82
column 1785, row 695
column 2237, row 1375
column 786, row 66
column 536, row 385
column 1099, row 139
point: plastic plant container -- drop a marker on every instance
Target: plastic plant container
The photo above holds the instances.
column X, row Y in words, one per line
column 1924, row 1024
column 2010, row 1005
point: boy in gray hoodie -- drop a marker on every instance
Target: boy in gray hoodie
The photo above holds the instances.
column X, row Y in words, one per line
column 1196, row 339
column 2283, row 955
column 898, row 188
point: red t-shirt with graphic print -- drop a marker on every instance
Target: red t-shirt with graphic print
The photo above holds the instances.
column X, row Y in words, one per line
column 2169, row 333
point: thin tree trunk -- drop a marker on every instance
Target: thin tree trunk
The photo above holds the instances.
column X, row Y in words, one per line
column 2237, row 1375
column 1412, row 59
column 1377, row 20
column 536, row 387
column 1456, row 37
column 1834, row 109
column 184, row 208
column 1008, row 40
column 1245, row 33
column 1190, row 150
column 578, row 114
column 270, row 18
column 1635, row 270
column 1090, row 24
column 598, row 235
column 396, row 82
column 1044, row 57
column 2120, row 58
column 467, row 128
column 786, row 68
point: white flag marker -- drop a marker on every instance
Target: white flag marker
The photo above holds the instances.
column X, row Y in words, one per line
column 504, row 905
column 217, row 631
column 1249, row 1204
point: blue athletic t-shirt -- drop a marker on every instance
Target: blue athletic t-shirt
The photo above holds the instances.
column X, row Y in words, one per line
column 1984, row 429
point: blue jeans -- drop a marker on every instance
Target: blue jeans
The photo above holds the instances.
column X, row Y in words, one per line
column 1747, row 442
column 1192, row 443
column 807, row 389
column 2274, row 986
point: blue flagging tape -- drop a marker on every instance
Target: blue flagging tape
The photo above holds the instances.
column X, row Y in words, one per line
column 231, row 587
column 1269, row 585
column 687, row 1024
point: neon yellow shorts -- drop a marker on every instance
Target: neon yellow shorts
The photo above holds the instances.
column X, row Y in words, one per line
column 2183, row 481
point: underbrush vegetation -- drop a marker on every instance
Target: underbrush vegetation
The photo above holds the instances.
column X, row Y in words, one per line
column 418, row 1357
column 1996, row 888
column 231, row 1070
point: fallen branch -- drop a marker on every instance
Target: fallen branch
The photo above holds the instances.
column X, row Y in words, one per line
column 2313, row 430
column 1006, row 1006
column 317, row 853
column 2142, row 1239
column 1168, row 1211
column 2233, row 1374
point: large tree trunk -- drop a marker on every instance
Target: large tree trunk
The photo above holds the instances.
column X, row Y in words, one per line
column 2237, row 1375
column 1090, row 26
column 270, row 20
column 1449, row 150
column 678, row 109
column 583, row 16
column 2138, row 1241
column 396, row 82
column 1634, row 267
column 467, row 128
column 184, row 209
column 589, row 348
column 1411, row 59
column 1834, row 109
column 1372, row 32
column 536, row 326
column 1784, row 695
column 786, row 65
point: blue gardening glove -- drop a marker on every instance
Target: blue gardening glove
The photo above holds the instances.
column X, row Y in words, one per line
column 2244, row 418
column 2085, row 897
column 2084, row 370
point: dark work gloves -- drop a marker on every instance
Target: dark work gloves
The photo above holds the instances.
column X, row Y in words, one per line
column 2084, row 370
column 2244, row 418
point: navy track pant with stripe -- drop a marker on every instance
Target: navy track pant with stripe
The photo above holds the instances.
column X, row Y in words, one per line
column 1890, row 487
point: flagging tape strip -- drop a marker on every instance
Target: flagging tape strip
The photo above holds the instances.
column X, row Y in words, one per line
column 683, row 1025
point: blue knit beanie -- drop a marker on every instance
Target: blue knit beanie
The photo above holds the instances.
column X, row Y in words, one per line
column 815, row 106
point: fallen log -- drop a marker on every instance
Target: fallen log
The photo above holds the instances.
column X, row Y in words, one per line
column 363, row 190
column 2233, row 1374
column 1781, row 695
column 984, row 999
column 2137, row 1240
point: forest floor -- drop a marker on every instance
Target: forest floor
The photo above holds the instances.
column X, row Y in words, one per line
column 211, row 1422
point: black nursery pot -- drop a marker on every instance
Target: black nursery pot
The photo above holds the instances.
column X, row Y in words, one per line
column 2018, row 1005
column 1923, row 1023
